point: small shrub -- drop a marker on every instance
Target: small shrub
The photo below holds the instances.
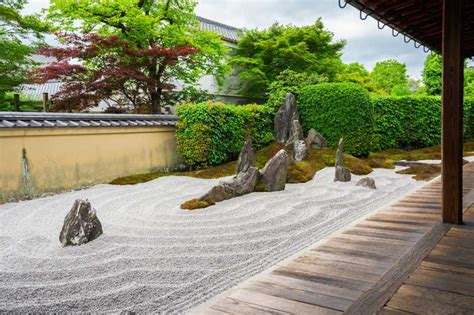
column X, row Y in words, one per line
column 339, row 110
column 212, row 133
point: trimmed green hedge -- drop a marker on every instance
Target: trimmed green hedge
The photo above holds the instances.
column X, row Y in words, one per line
column 212, row 133
column 406, row 122
column 339, row 110
column 373, row 124
column 469, row 118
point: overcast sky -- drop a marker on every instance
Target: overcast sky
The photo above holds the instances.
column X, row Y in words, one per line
column 365, row 42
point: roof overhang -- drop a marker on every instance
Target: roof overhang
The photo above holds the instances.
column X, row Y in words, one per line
column 418, row 20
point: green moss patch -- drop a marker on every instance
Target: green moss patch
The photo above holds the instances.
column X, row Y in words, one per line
column 424, row 172
column 385, row 159
column 196, row 204
column 298, row 172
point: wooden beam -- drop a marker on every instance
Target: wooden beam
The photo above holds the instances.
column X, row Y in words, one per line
column 452, row 113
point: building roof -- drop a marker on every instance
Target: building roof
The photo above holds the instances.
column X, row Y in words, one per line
column 226, row 32
column 418, row 20
column 64, row 120
column 35, row 91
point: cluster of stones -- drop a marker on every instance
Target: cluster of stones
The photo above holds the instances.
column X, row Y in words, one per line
column 288, row 131
column 81, row 224
column 272, row 177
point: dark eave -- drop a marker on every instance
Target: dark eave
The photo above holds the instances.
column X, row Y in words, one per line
column 419, row 20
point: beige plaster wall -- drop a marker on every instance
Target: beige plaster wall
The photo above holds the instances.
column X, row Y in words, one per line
column 65, row 158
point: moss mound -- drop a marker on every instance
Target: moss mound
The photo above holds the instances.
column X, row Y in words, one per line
column 298, row 172
column 385, row 159
column 196, row 204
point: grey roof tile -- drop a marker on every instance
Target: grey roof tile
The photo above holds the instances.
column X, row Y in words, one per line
column 226, row 32
column 67, row 120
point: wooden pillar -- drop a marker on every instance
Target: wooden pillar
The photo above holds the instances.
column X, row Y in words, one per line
column 45, row 102
column 452, row 113
column 16, row 102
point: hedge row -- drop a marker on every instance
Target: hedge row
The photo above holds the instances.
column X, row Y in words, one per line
column 338, row 110
column 372, row 124
column 212, row 133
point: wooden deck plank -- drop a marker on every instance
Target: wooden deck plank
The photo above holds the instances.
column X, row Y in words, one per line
column 423, row 305
column 331, row 271
column 323, row 278
column 280, row 304
column 308, row 297
column 311, row 286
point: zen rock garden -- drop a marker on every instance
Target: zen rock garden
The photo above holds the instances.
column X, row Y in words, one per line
column 273, row 176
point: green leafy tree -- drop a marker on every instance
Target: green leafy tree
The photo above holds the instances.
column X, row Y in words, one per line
column 19, row 36
column 432, row 74
column 357, row 73
column 289, row 81
column 389, row 73
column 262, row 55
column 148, row 25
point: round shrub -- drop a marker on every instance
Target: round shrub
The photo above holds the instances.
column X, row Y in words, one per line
column 339, row 110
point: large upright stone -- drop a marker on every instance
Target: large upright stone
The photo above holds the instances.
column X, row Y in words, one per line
column 81, row 224
column 342, row 173
column 284, row 117
column 247, row 157
column 315, row 140
column 273, row 175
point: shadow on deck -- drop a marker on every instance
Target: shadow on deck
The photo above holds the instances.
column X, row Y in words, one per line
column 401, row 259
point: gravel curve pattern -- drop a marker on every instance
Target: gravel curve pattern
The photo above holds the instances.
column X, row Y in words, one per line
column 155, row 257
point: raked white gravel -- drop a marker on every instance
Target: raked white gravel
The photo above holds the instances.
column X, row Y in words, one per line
column 155, row 257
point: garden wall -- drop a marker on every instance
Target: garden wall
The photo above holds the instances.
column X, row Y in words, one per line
column 44, row 152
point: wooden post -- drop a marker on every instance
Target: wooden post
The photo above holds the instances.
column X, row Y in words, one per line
column 16, row 102
column 45, row 102
column 452, row 113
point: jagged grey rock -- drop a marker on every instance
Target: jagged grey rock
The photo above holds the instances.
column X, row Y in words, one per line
column 367, row 182
column 81, row 224
column 299, row 150
column 315, row 140
column 296, row 146
column 273, row 175
column 284, row 117
column 342, row 173
column 247, row 157
column 243, row 183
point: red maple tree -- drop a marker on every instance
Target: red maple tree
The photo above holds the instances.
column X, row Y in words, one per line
column 94, row 68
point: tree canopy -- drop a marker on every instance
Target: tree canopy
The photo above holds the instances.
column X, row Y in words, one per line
column 152, row 27
column 357, row 73
column 262, row 55
column 19, row 36
column 388, row 74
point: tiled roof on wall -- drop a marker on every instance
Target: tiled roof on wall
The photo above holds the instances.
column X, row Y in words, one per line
column 226, row 32
column 65, row 120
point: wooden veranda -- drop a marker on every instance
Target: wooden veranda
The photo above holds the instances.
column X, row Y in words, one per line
column 413, row 256
column 447, row 27
column 402, row 259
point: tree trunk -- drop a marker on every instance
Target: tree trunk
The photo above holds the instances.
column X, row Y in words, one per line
column 155, row 103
